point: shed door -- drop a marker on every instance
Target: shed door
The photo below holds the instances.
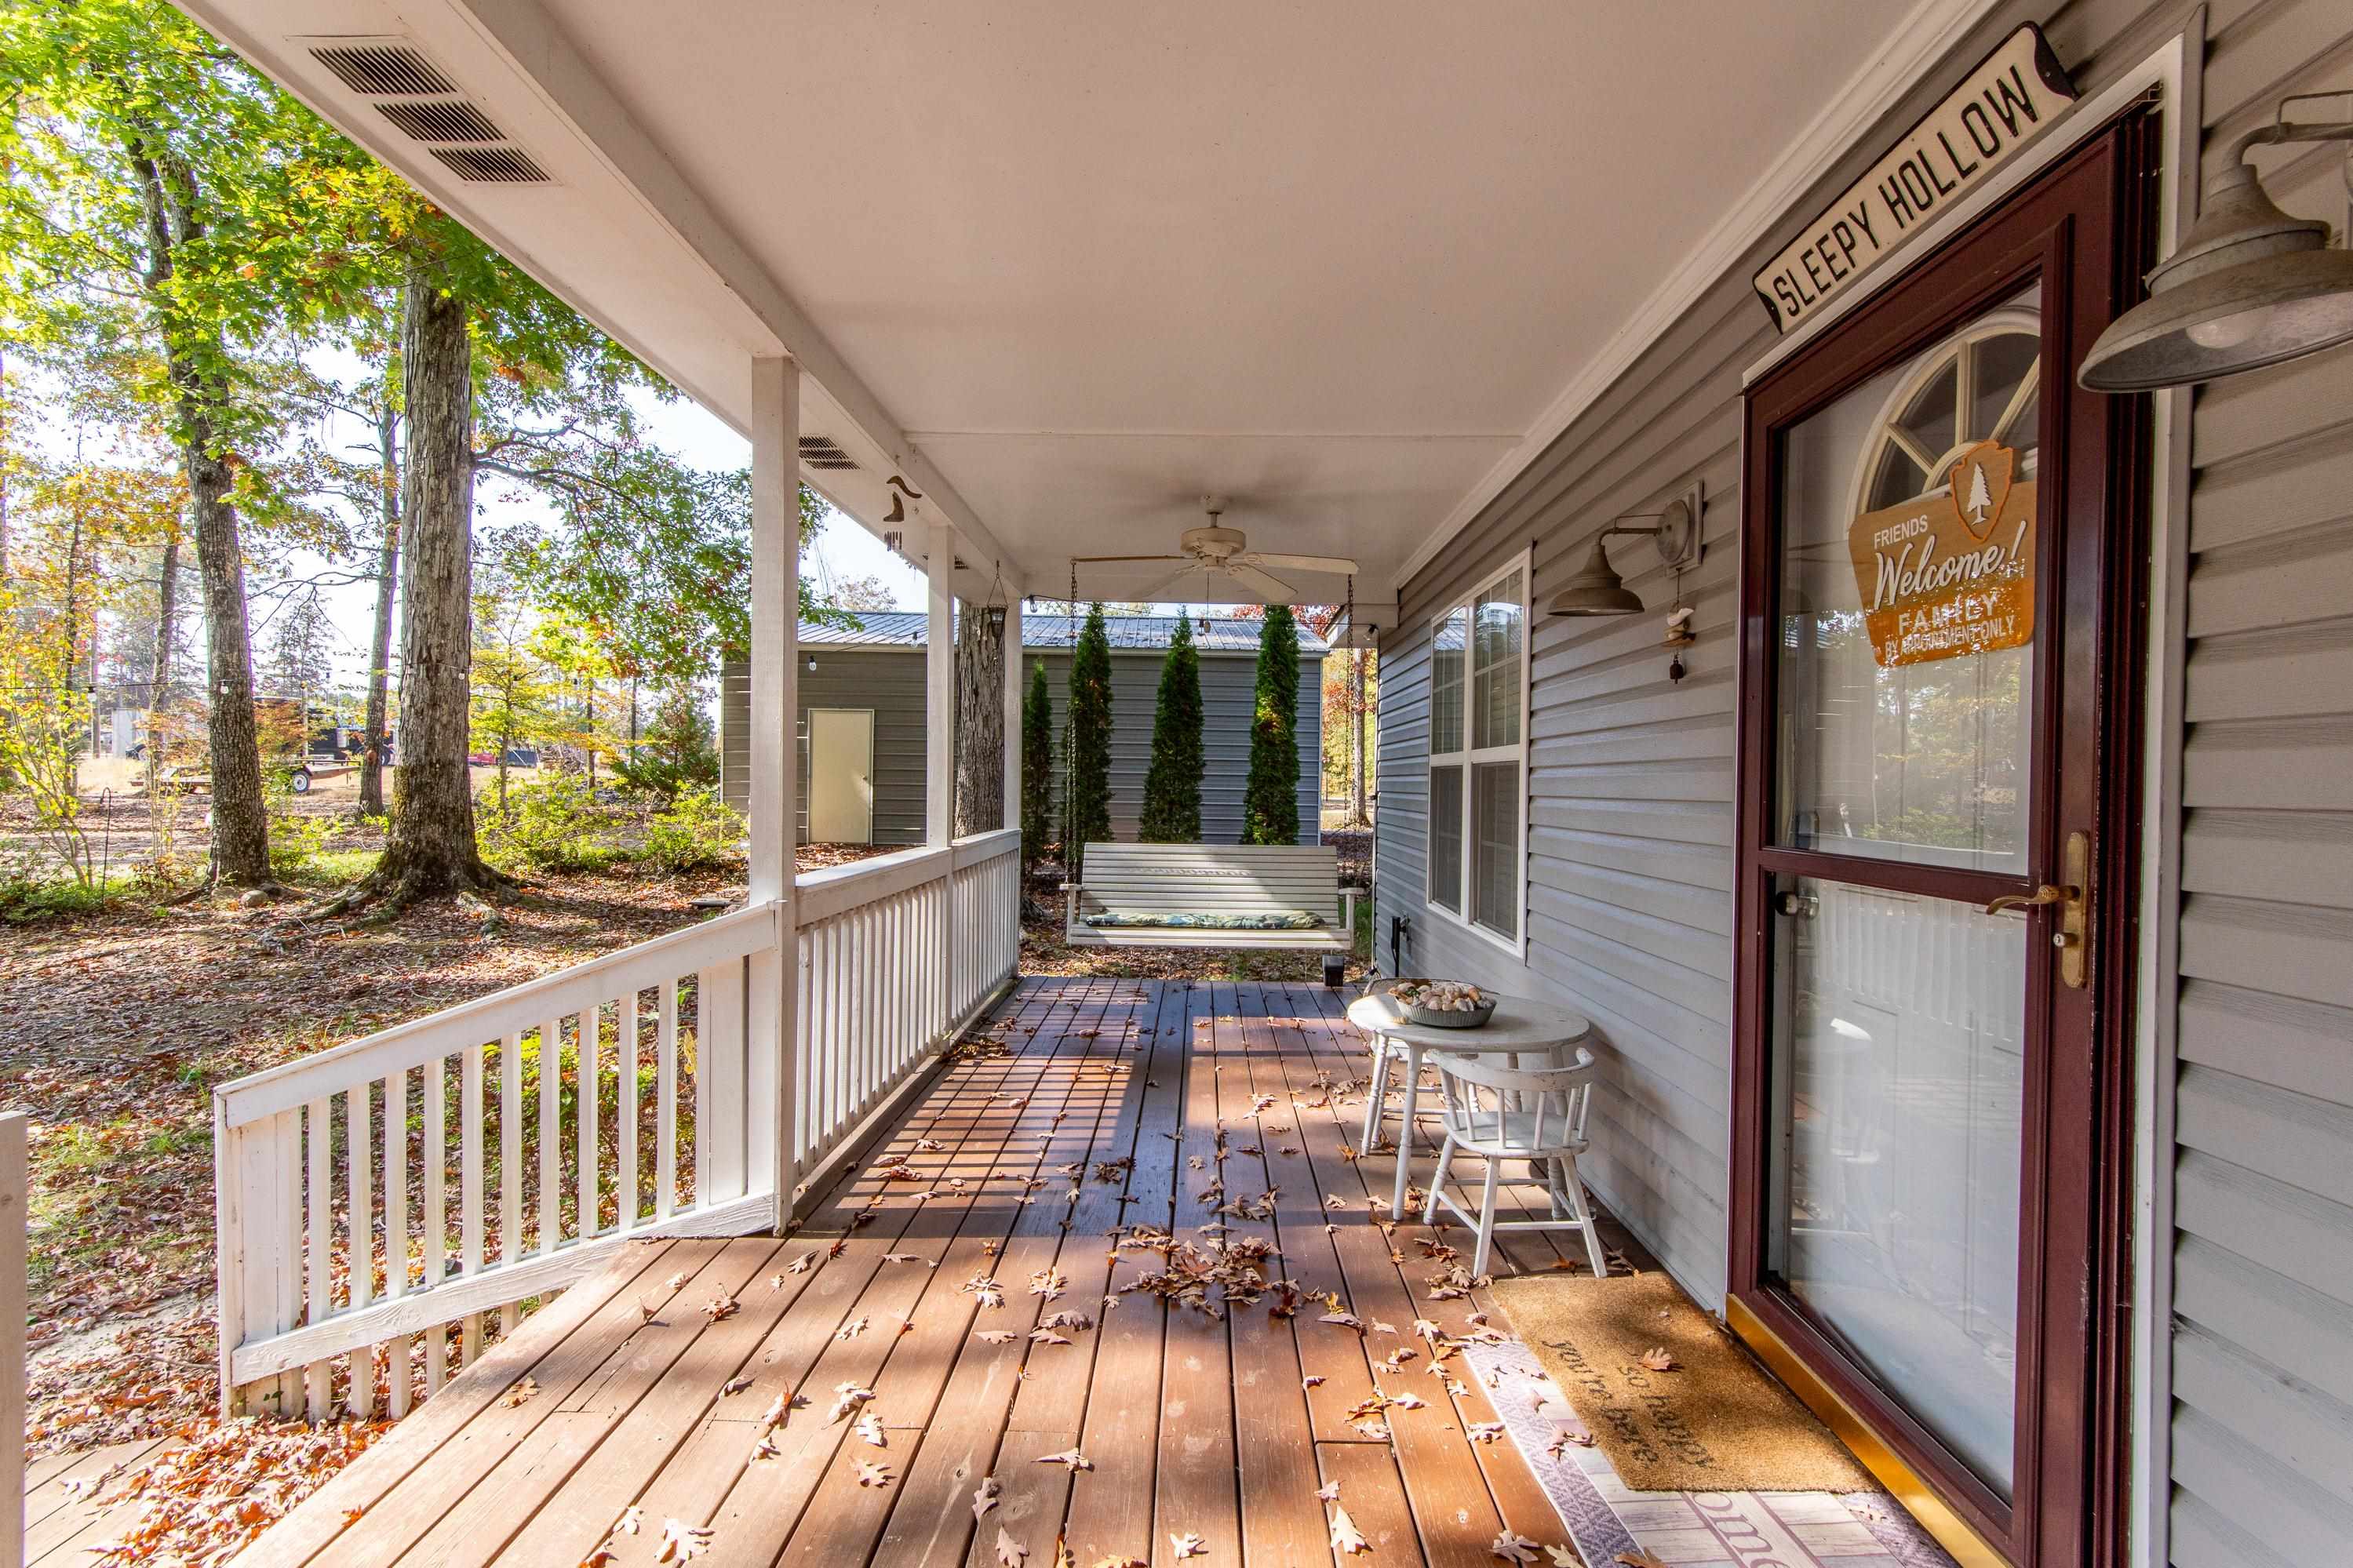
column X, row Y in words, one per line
column 841, row 775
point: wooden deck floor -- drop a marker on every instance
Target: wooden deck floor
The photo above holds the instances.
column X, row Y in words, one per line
column 1221, row 1429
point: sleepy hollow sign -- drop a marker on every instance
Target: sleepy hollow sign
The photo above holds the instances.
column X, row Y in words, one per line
column 2004, row 103
column 1944, row 575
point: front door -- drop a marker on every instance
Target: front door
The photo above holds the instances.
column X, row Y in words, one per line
column 1942, row 548
column 841, row 775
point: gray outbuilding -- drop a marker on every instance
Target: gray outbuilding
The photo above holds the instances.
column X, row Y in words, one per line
column 862, row 686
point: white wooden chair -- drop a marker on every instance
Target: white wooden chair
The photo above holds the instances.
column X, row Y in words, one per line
column 1503, row 1113
column 1173, row 895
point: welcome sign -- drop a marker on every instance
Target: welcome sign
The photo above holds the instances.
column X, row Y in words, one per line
column 2007, row 101
column 1950, row 575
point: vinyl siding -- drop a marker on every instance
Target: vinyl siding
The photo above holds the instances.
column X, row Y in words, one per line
column 1631, row 822
column 892, row 683
column 2263, row 1349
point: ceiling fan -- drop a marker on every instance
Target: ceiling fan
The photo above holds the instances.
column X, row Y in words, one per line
column 1227, row 552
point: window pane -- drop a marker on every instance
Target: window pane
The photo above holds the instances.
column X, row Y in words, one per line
column 1496, row 654
column 1907, row 635
column 1446, row 838
column 1495, row 847
column 1446, row 684
column 1898, row 1063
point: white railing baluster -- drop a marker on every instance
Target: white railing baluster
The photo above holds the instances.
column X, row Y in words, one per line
column 624, row 1109
column 360, row 1259
column 510, row 1161
column 319, row 1376
column 666, row 1101
column 551, row 1134
column 436, row 1212
column 396, row 1232
column 469, row 1192
column 703, row 1010
column 591, row 1073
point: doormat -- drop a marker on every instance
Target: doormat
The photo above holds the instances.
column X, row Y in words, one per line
column 1712, row 1420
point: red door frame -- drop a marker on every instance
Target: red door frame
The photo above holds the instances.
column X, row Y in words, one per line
column 2084, row 229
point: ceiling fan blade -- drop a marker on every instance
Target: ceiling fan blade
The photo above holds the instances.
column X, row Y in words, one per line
column 1270, row 590
column 1100, row 560
column 1339, row 563
column 1172, row 589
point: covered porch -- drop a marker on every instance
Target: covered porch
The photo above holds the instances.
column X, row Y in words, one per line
column 1079, row 1142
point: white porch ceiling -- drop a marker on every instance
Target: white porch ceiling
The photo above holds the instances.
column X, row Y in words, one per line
column 1070, row 266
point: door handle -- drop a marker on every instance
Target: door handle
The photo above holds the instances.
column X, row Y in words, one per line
column 2074, row 899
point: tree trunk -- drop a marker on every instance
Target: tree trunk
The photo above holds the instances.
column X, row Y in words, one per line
column 980, row 723
column 379, row 685
column 431, row 847
column 241, row 836
column 240, row 821
column 158, row 674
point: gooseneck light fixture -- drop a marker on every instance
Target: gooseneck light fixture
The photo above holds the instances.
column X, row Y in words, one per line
column 1598, row 590
column 2248, row 287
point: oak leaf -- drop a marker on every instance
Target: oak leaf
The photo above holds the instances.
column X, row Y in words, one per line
column 682, row 1542
column 1512, row 1548
column 1347, row 1539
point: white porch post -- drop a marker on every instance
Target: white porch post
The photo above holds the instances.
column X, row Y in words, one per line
column 939, row 757
column 1015, row 686
column 939, row 690
column 774, row 976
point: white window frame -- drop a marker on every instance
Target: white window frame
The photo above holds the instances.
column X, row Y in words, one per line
column 1468, row 759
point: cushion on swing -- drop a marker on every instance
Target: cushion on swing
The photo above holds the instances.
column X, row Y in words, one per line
column 1274, row 920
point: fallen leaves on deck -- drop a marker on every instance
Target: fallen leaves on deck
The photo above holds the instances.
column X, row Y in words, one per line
column 682, row 1542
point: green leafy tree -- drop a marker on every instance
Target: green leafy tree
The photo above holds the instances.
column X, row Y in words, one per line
column 301, row 662
column 1086, row 810
column 679, row 752
column 1172, row 785
column 1037, row 768
column 1271, row 793
column 162, row 218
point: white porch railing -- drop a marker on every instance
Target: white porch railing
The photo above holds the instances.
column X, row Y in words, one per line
column 896, row 955
column 332, row 1259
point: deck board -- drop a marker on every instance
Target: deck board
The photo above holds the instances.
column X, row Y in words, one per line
column 1087, row 1121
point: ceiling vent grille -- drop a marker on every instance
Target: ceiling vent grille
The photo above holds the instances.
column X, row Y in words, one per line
column 449, row 120
column 822, row 452
column 492, row 165
column 418, row 98
column 382, row 68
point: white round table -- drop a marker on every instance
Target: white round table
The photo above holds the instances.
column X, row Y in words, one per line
column 1521, row 1025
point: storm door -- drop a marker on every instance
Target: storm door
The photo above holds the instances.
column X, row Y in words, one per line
column 1937, row 856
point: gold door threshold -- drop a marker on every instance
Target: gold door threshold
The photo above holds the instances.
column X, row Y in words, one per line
column 1953, row 1534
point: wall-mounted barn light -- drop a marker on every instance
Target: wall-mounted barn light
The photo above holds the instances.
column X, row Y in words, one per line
column 2248, row 287
column 1598, row 590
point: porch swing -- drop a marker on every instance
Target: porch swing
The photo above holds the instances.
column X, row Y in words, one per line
column 1234, row 898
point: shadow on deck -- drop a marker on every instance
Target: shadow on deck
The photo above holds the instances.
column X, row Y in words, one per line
column 959, row 1324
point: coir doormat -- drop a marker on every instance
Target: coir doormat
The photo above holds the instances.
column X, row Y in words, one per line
column 1712, row 1420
